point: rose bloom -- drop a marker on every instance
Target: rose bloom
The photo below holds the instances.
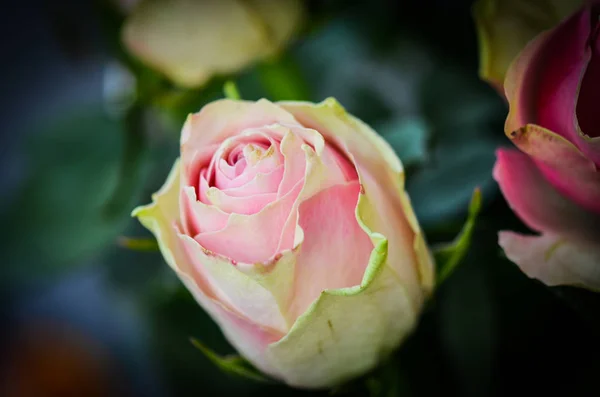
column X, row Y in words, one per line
column 290, row 225
column 192, row 40
column 553, row 182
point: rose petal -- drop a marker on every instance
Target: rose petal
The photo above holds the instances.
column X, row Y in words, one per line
column 588, row 116
column 504, row 28
column 537, row 203
column 554, row 260
column 224, row 118
column 563, row 165
column 294, row 162
column 542, row 88
column 261, row 183
column 197, row 217
column 347, row 332
column 160, row 217
column 189, row 41
column 246, row 205
column 252, row 238
column 325, row 261
column 234, row 288
column 381, row 176
column 256, row 157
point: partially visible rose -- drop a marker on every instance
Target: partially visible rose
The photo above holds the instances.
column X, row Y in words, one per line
column 553, row 184
column 190, row 41
column 504, row 27
column 290, row 225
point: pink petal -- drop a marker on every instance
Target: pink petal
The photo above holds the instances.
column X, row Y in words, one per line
column 247, row 165
column 245, row 205
column 537, row 203
column 197, row 217
column 261, row 183
column 221, row 119
column 554, row 260
column 253, row 238
column 588, row 115
column 234, row 288
column 543, row 83
column 294, row 162
column 563, row 165
column 335, row 251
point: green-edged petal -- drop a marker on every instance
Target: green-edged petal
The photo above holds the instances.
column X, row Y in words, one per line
column 348, row 331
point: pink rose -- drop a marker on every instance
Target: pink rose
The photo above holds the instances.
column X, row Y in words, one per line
column 553, row 184
column 290, row 225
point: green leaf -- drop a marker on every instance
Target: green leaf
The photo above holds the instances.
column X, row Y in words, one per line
column 233, row 364
column 449, row 256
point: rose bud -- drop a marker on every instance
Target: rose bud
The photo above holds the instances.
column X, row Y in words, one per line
column 553, row 183
column 504, row 27
column 190, row 41
column 290, row 225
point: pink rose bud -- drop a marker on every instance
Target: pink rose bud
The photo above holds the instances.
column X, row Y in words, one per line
column 553, row 183
column 290, row 225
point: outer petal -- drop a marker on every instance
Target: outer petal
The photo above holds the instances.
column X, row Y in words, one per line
column 160, row 218
column 234, row 288
column 554, row 260
column 325, row 261
column 189, row 40
column 542, row 87
column 381, row 176
column 563, row 165
column 346, row 332
column 505, row 27
column 538, row 204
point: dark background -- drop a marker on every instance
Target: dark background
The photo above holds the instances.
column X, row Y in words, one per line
column 82, row 316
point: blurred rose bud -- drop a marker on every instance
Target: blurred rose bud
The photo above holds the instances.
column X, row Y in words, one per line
column 504, row 28
column 190, row 41
column 553, row 183
column 290, row 225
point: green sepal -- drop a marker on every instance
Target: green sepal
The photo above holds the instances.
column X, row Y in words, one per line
column 231, row 91
column 448, row 256
column 232, row 364
column 138, row 244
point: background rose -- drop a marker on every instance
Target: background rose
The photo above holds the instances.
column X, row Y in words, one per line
column 190, row 41
column 290, row 225
column 554, row 184
column 504, row 27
